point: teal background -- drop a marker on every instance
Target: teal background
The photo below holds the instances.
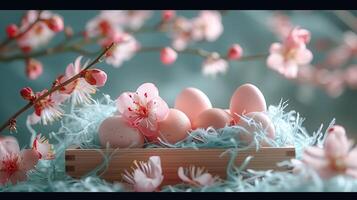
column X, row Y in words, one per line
column 247, row 28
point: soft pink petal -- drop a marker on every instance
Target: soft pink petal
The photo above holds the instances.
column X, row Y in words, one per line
column 352, row 172
column 290, row 70
column 148, row 91
column 275, row 61
column 124, row 101
column 33, row 119
column 351, row 159
column 4, row 177
column 315, row 152
column 205, row 179
column 143, row 183
column 303, row 56
column 276, row 48
column 8, row 145
column 317, row 164
column 159, row 107
column 181, row 174
column 29, row 159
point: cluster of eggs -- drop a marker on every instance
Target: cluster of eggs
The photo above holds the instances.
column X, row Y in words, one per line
column 193, row 110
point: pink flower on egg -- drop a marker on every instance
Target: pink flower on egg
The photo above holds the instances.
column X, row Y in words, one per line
column 147, row 176
column 15, row 164
column 337, row 157
column 168, row 56
column 214, row 65
column 33, row 69
column 286, row 57
column 196, row 176
column 143, row 109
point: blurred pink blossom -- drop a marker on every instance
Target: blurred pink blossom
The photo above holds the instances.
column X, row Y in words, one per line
column 280, row 24
column 337, row 157
column 235, row 52
column 207, row 26
column 350, row 76
column 95, row 77
column 146, row 177
column 286, row 57
column 33, row 69
column 15, row 164
column 143, row 109
column 196, row 176
column 214, row 65
column 40, row 34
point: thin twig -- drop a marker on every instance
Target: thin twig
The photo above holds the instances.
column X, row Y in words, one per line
column 348, row 18
column 53, row 89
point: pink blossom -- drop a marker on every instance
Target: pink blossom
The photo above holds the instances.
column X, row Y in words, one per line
column 168, row 56
column 207, row 26
column 80, row 90
column 280, row 24
column 47, row 109
column 181, row 33
column 235, row 52
column 15, row 164
column 34, row 68
column 196, row 176
column 214, row 65
column 55, row 23
column 337, row 157
column 27, row 93
column 125, row 48
column 335, row 84
column 39, row 35
column 12, row 30
column 134, row 19
column 143, row 109
column 95, row 77
column 42, row 146
column 104, row 24
column 286, row 57
column 146, row 177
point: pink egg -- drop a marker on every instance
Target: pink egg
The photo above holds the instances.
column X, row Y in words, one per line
column 192, row 102
column 247, row 98
column 214, row 117
column 259, row 118
column 175, row 127
column 115, row 131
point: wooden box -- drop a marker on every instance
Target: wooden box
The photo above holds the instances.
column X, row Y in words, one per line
column 81, row 161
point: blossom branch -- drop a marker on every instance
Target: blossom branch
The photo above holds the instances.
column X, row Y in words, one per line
column 12, row 119
column 8, row 40
column 348, row 18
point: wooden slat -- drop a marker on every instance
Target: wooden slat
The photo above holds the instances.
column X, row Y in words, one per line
column 81, row 161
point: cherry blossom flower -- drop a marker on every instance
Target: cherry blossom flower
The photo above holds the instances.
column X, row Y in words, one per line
column 55, row 23
column 12, row 30
column 47, row 109
column 214, row 65
column 168, row 15
column 80, row 90
column 104, row 24
column 15, row 164
column 343, row 52
column 143, row 109
column 207, row 26
column 168, row 56
column 337, row 157
column 42, row 146
column 350, row 76
column 125, row 48
column 133, row 19
column 196, row 176
column 40, row 34
column 286, row 57
column 146, row 177
column 181, row 33
column 34, row 68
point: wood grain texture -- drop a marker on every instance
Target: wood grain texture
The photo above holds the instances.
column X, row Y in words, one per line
column 81, row 161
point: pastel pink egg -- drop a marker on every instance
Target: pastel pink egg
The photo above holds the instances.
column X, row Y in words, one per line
column 214, row 117
column 247, row 98
column 192, row 102
column 115, row 131
column 259, row 118
column 175, row 127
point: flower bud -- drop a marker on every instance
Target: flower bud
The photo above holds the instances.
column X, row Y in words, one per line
column 168, row 15
column 12, row 30
column 235, row 52
column 95, row 77
column 55, row 23
column 27, row 93
column 33, row 68
column 168, row 56
column 68, row 31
